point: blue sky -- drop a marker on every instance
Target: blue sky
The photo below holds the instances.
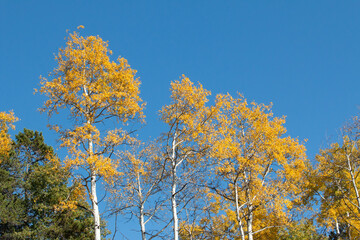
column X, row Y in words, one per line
column 303, row 56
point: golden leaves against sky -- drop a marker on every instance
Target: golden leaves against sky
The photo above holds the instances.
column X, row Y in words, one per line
column 6, row 122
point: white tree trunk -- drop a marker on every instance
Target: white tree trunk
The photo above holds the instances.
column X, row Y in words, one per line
column 93, row 193
column 141, row 219
column 95, row 206
column 142, row 223
column 249, row 223
column 173, row 190
column 174, row 211
column 94, row 201
column 241, row 228
column 93, row 197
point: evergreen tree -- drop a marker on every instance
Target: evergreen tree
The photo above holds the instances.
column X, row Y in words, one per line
column 33, row 191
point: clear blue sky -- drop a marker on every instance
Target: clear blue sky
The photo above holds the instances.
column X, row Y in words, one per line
column 303, row 56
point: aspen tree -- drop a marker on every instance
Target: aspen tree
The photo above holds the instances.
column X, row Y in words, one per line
column 186, row 142
column 257, row 167
column 93, row 90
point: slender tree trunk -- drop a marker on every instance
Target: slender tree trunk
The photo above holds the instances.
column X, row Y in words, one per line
column 174, row 207
column 249, row 223
column 93, row 194
column 173, row 190
column 250, row 208
column 95, row 206
column 241, row 227
column 141, row 219
column 94, row 201
column 142, row 223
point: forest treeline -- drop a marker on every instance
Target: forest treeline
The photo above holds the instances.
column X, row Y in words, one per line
column 222, row 169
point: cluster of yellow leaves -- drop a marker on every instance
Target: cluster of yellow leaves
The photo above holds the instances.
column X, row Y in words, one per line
column 72, row 201
column 89, row 84
column 189, row 118
column 251, row 139
column 76, row 142
column 191, row 231
column 6, row 122
column 187, row 110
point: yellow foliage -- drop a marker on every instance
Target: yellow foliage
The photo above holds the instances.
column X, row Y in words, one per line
column 256, row 164
column 337, row 178
column 188, row 116
column 92, row 89
column 89, row 84
column 6, row 122
column 71, row 202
